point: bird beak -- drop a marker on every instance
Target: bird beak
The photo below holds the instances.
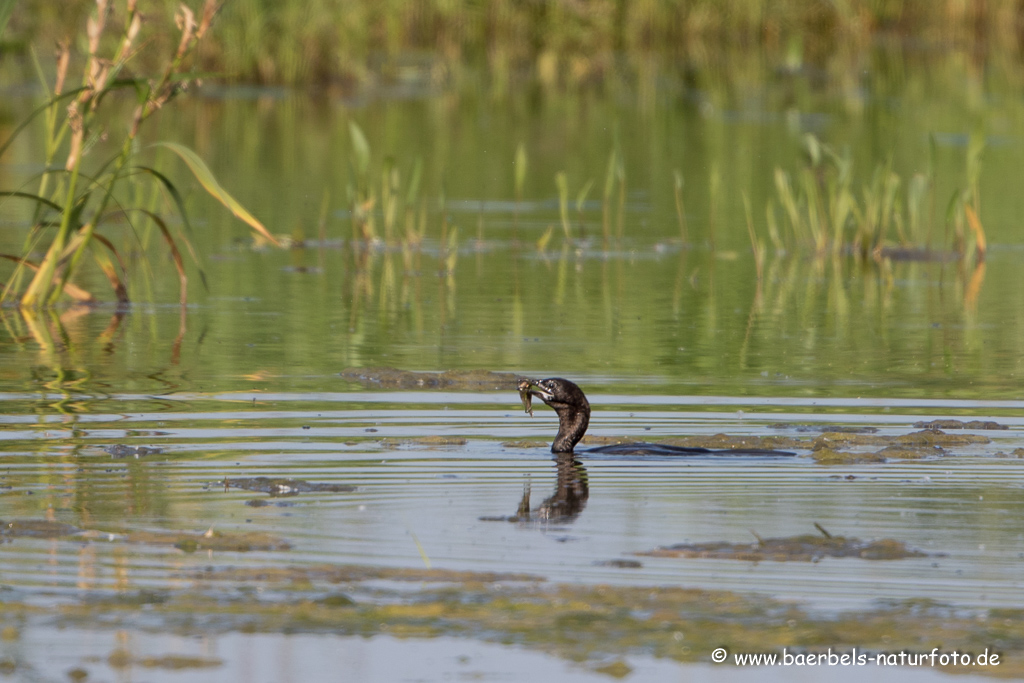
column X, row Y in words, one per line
column 540, row 392
column 530, row 387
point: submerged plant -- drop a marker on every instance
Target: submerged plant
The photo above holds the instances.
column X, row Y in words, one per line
column 69, row 215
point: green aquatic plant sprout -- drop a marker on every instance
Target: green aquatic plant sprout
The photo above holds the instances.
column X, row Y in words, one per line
column 822, row 211
column 68, row 218
column 521, row 166
column 562, row 183
column 677, row 189
column 364, row 195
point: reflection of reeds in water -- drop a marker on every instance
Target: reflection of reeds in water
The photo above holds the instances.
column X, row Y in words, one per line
column 800, row 299
column 65, row 344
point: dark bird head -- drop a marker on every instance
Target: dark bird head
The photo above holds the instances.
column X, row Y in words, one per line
column 571, row 405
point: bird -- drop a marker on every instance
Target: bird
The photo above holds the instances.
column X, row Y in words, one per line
column 573, row 409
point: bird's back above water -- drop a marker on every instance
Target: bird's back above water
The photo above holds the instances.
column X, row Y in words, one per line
column 573, row 410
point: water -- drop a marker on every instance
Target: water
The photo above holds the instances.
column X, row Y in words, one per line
column 438, row 504
column 669, row 337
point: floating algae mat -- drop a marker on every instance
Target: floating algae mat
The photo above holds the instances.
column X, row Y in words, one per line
column 183, row 540
column 803, row 548
column 282, row 486
column 587, row 625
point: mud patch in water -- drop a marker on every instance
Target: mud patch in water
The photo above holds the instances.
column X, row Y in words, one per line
column 122, row 451
column 36, row 528
column 715, row 442
column 927, row 443
column 351, row 573
column 428, row 441
column 122, row 659
column 958, row 424
column 210, row 540
column 620, row 564
column 469, row 380
column 279, row 486
column 182, row 540
column 923, row 438
column 810, row 427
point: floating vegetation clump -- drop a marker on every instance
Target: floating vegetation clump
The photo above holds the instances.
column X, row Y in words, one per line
column 523, row 443
column 210, row 540
column 578, row 622
column 726, row 442
column 960, row 424
column 349, row 573
column 803, row 548
column 435, row 441
column 280, row 486
column 123, row 451
column 182, row 540
column 827, row 448
column 393, row 378
column 832, row 456
column 37, row 528
column 123, row 659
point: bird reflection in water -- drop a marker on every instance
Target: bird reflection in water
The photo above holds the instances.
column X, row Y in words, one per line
column 561, row 507
column 571, row 489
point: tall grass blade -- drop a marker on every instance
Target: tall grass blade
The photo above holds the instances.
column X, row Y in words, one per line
column 6, row 9
column 321, row 223
column 755, row 243
column 581, row 196
column 206, row 179
column 953, row 220
column 179, row 262
column 172, row 190
column 179, row 203
column 360, row 148
column 773, row 227
column 71, row 289
column 680, row 211
column 606, row 203
column 714, row 191
column 542, row 241
column 975, row 150
column 35, row 198
column 917, row 196
column 979, row 232
column 973, row 289
column 620, row 176
column 36, row 112
column 107, row 266
column 452, row 250
column 563, row 201
column 419, row 547
column 520, row 171
column 415, row 178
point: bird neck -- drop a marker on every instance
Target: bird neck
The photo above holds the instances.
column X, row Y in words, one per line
column 572, row 425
